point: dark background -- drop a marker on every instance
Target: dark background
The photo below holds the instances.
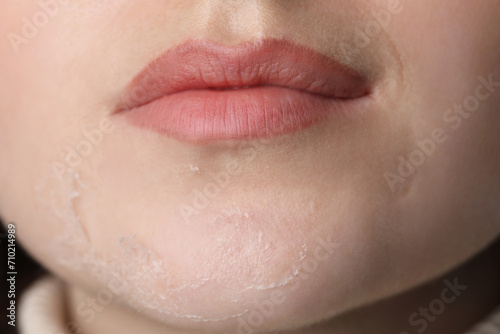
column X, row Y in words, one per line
column 27, row 271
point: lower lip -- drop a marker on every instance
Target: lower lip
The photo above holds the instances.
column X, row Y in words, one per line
column 248, row 113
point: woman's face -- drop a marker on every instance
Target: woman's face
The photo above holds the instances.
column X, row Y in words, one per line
column 296, row 227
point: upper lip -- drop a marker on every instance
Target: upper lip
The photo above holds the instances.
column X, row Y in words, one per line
column 268, row 62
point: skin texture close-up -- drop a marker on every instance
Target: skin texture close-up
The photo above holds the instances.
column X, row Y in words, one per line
column 255, row 166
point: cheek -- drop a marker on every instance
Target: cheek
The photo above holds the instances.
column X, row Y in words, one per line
column 449, row 186
column 44, row 94
column 39, row 118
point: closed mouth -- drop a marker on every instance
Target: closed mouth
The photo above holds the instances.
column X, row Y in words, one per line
column 202, row 91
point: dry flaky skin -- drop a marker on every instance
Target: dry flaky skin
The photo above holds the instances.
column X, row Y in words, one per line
column 145, row 280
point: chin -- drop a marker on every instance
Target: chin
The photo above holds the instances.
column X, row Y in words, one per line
column 262, row 267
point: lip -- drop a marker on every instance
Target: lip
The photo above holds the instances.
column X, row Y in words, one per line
column 203, row 91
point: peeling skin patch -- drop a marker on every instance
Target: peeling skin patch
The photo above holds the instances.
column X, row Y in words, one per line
column 190, row 168
column 231, row 212
column 137, row 267
column 243, row 244
column 293, row 274
column 147, row 281
column 194, row 169
column 141, row 269
column 63, row 198
column 60, row 196
column 73, row 198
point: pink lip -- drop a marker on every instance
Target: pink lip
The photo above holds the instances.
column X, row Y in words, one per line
column 202, row 91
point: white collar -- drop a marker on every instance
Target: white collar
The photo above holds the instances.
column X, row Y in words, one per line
column 42, row 310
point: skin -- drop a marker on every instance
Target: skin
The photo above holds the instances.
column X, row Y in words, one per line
column 318, row 223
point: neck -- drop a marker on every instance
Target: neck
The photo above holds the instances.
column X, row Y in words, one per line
column 450, row 304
